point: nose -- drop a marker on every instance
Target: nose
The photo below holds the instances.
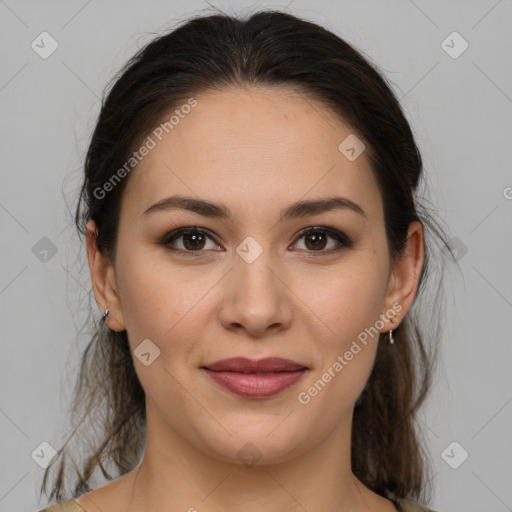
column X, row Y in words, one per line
column 255, row 297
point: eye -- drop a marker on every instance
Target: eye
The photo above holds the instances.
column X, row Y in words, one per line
column 316, row 238
column 191, row 241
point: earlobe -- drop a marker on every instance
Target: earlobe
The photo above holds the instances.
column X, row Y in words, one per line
column 103, row 281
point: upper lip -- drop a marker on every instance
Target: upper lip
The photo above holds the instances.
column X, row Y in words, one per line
column 265, row 365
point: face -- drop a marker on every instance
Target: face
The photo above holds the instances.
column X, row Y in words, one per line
column 265, row 280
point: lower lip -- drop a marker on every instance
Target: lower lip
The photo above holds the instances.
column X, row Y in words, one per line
column 253, row 385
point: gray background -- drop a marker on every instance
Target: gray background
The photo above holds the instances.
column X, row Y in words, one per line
column 460, row 109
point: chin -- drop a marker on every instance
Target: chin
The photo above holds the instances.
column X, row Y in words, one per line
column 258, row 441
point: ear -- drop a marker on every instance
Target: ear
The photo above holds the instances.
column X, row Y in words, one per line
column 104, row 281
column 405, row 274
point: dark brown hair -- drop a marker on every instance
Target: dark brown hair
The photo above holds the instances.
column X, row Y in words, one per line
column 269, row 49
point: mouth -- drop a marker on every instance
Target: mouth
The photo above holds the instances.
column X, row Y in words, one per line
column 255, row 378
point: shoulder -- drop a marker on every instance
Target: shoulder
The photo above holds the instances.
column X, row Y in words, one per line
column 407, row 505
column 64, row 506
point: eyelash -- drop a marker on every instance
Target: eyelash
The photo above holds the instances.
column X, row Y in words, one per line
column 344, row 241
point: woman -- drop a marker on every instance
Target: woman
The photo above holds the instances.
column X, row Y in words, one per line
column 255, row 246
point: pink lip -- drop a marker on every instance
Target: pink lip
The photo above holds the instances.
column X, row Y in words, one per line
column 255, row 378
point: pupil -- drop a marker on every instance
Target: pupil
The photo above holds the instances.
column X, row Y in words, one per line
column 316, row 239
column 193, row 240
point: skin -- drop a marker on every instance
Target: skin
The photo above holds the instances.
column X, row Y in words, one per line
column 256, row 150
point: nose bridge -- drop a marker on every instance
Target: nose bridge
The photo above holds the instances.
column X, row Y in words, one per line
column 255, row 297
column 255, row 274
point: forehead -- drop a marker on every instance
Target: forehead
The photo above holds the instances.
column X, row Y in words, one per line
column 255, row 149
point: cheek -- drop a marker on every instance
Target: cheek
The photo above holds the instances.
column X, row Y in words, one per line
column 160, row 303
column 349, row 303
column 346, row 352
column 347, row 299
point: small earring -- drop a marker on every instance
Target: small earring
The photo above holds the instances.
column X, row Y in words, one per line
column 390, row 332
column 104, row 317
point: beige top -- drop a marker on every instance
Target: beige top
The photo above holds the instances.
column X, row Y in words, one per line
column 72, row 506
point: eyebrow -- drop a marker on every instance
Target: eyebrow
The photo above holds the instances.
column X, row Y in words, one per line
column 221, row 211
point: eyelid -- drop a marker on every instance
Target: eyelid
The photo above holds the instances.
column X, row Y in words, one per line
column 333, row 232
column 177, row 233
column 344, row 241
